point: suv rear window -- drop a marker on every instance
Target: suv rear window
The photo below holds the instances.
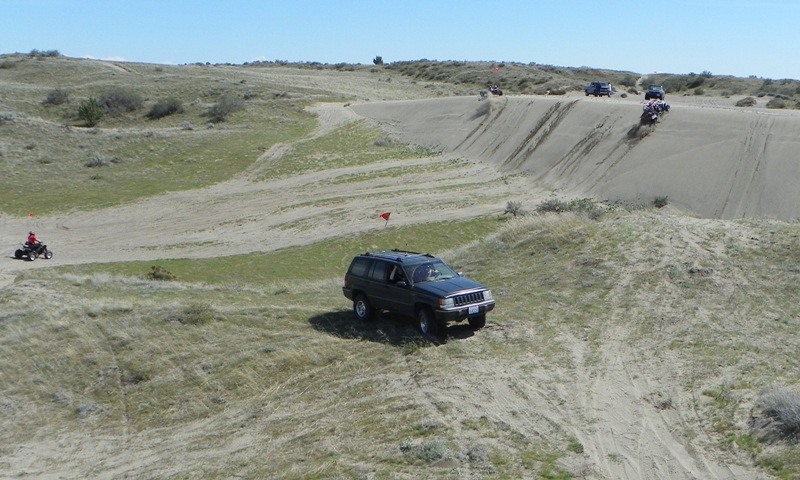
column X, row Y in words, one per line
column 378, row 271
column 360, row 266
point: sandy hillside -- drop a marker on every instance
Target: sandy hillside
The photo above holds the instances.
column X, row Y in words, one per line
column 708, row 157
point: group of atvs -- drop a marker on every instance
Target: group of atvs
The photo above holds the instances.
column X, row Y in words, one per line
column 652, row 110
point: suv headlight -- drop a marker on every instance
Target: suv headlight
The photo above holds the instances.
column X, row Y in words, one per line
column 446, row 303
column 487, row 295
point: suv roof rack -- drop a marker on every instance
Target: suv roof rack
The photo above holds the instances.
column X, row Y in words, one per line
column 387, row 253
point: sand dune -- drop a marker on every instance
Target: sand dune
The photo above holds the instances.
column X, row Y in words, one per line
column 713, row 161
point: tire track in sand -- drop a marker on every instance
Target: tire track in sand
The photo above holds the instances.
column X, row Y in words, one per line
column 748, row 165
column 539, row 134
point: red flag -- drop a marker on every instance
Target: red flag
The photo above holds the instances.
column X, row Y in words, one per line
column 385, row 215
column 30, row 214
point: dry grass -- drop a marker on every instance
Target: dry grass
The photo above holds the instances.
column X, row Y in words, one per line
column 204, row 376
column 281, row 373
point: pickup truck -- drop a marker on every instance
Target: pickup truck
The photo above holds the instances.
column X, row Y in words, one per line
column 598, row 89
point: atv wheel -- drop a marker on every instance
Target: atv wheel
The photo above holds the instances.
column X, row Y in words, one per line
column 19, row 253
column 362, row 308
column 427, row 322
column 31, row 256
column 48, row 254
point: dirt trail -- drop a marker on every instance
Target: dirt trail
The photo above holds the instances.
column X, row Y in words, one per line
column 242, row 215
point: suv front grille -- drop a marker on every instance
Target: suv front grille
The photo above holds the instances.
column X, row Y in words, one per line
column 467, row 299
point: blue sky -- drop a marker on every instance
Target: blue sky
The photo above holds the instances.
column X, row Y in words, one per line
column 733, row 37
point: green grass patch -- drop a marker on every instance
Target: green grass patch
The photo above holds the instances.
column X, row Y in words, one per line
column 350, row 145
column 144, row 163
column 323, row 260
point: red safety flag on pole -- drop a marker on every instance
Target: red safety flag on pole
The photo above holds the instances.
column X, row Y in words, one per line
column 385, row 216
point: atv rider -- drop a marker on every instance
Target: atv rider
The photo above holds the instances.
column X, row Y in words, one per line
column 33, row 243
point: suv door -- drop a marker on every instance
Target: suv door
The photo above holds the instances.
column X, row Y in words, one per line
column 378, row 289
column 401, row 296
column 387, row 291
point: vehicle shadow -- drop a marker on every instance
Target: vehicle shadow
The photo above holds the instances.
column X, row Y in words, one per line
column 386, row 328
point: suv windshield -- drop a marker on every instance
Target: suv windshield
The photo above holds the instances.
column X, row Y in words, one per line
column 432, row 272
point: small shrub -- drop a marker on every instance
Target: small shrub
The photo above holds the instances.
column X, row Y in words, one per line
column 514, row 208
column 782, row 409
column 588, row 207
column 553, row 205
column 194, row 314
column 584, row 206
column 575, row 446
column 378, row 60
column 226, row 105
column 164, row 108
column 157, row 272
column 90, row 112
column 746, row 102
column 660, row 202
column 119, row 100
column 699, row 91
column 5, row 64
column 776, row 102
column 187, row 125
column 98, row 160
column 56, row 97
column 429, row 451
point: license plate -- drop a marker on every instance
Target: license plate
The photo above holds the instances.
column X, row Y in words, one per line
column 473, row 310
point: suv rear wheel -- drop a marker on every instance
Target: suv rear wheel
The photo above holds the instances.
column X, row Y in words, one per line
column 426, row 322
column 362, row 308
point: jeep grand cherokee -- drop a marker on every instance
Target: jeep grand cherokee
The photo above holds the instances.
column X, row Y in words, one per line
column 416, row 285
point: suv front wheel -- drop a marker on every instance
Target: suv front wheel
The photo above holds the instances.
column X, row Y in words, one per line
column 477, row 322
column 362, row 308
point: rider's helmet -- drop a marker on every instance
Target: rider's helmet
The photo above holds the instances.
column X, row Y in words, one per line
column 31, row 233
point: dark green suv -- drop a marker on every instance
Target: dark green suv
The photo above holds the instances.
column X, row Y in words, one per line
column 416, row 285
